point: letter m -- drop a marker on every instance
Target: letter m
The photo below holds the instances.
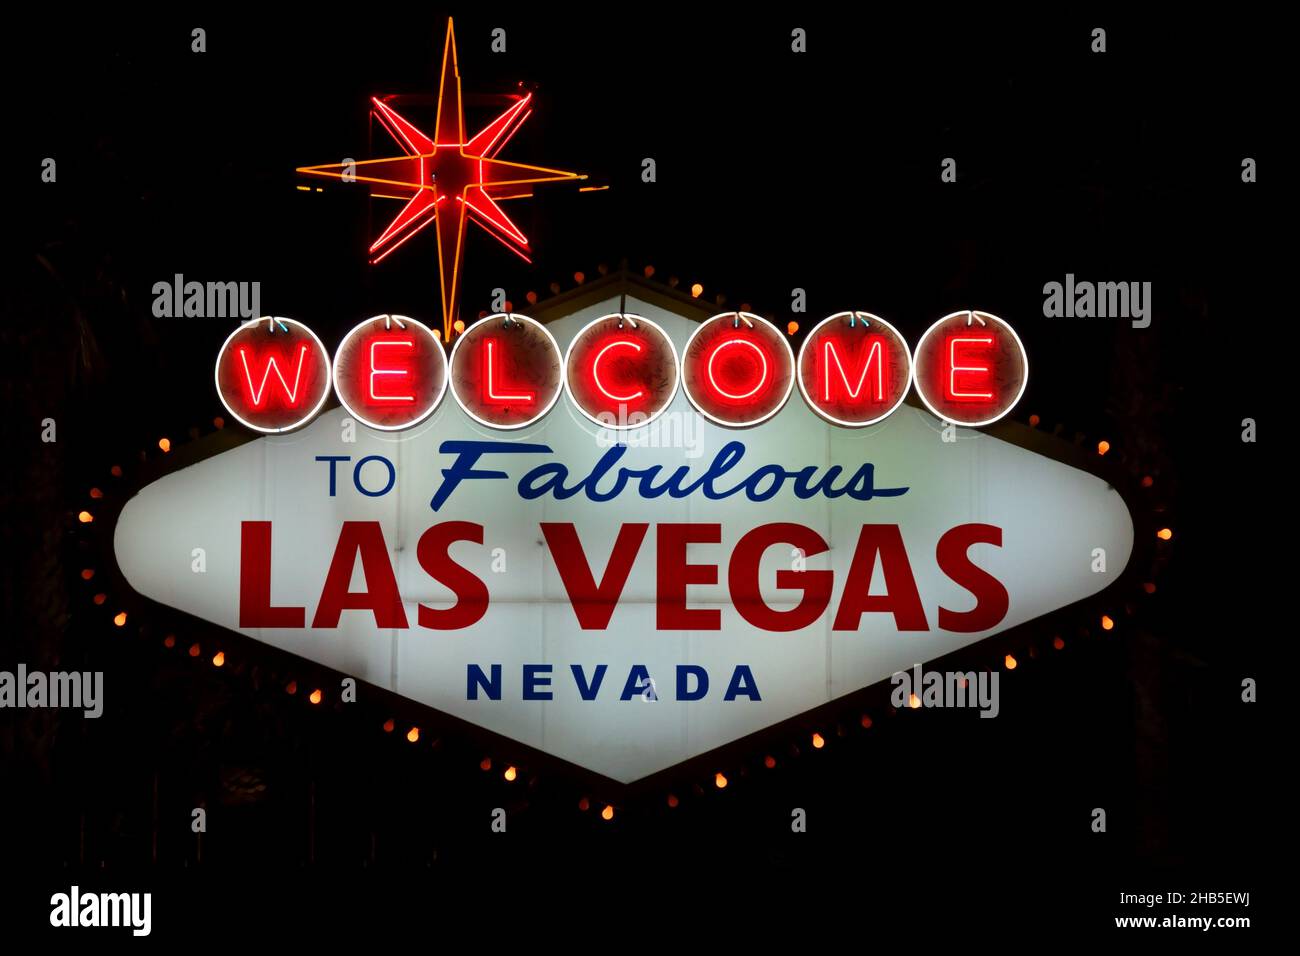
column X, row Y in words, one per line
column 874, row 353
column 223, row 299
column 1111, row 293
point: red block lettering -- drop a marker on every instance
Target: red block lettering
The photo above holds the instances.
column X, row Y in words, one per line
column 593, row 603
column 671, row 612
column 433, row 553
column 742, row 578
column 901, row 598
column 255, row 608
column 364, row 538
column 991, row 598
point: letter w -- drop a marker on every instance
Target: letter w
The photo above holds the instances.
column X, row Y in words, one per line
column 593, row 603
column 258, row 392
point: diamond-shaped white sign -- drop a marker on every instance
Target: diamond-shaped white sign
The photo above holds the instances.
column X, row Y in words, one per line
column 527, row 669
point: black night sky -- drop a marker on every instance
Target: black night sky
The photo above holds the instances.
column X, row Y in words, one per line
column 775, row 171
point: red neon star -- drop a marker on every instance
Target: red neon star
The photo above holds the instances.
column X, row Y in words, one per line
column 447, row 179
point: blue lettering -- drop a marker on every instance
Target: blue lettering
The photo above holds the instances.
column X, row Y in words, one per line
column 477, row 679
column 742, row 682
column 467, row 454
column 536, row 678
column 638, row 679
column 392, row 476
column 587, row 690
column 684, row 673
column 333, row 460
column 762, row 484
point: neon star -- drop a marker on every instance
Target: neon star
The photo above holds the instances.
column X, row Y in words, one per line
column 447, row 180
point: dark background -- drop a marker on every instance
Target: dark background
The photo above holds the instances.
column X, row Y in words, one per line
column 775, row 171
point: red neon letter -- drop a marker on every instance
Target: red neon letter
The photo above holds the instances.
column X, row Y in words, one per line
column 522, row 396
column 255, row 581
column 675, row 574
column 900, row 597
column 257, row 393
column 376, row 371
column 743, row 578
column 434, row 554
column 593, row 603
column 762, row 377
column 950, row 380
column 364, row 538
column 595, row 371
column 876, row 354
column 991, row 599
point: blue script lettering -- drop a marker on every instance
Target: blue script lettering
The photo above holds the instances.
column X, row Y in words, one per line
column 604, row 482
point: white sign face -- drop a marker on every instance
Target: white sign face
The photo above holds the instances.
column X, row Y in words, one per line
column 715, row 591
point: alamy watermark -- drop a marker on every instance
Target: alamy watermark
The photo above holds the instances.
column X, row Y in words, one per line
column 206, row 300
column 1098, row 300
column 76, row 908
column 917, row 688
column 74, row 689
column 670, row 430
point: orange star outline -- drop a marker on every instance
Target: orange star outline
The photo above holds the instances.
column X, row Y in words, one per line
column 447, row 180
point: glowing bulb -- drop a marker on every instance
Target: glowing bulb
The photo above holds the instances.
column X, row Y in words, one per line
column 316, row 696
column 510, row 774
column 818, row 741
column 792, row 327
column 720, row 781
column 913, row 701
column 85, row 517
column 119, row 618
column 1103, row 447
column 219, row 659
column 1011, row 663
column 413, row 734
column 1106, row 622
column 697, row 290
column 1164, row 534
column 165, row 444
column 459, row 326
column 607, row 813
